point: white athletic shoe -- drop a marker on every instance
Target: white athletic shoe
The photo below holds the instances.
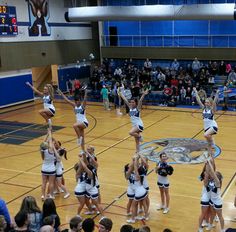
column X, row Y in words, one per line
column 204, row 223
column 216, row 219
column 166, row 210
column 130, row 221
column 129, row 214
column 200, row 229
column 42, row 198
column 66, row 195
column 160, row 207
column 209, row 227
column 139, row 218
column 51, row 197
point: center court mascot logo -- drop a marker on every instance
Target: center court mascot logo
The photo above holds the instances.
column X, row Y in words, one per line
column 179, row 150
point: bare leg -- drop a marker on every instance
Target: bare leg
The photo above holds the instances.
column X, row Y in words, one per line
column 51, row 185
column 162, row 196
column 167, row 197
column 81, row 204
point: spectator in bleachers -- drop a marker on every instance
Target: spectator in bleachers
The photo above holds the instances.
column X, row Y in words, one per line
column 127, row 228
column 211, row 80
column 21, row 220
column 214, row 69
column 88, row 225
column 3, row 224
column 49, row 221
column 222, row 68
column 147, row 65
column 118, row 73
column 49, row 209
column 196, row 65
column 232, row 77
column 166, row 95
column 145, row 229
column 46, row 228
column 112, row 67
column 75, row 224
column 188, row 96
column 228, row 68
column 29, row 205
column 4, row 211
column 175, row 65
column 202, row 94
column 104, row 93
column 182, row 95
column 105, row 225
column 226, row 96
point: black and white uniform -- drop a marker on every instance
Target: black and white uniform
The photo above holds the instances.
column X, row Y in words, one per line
column 48, row 167
column 95, row 158
column 59, row 168
column 48, row 104
column 209, row 121
column 144, row 175
column 135, row 188
column 135, row 119
column 211, row 195
column 80, row 189
column 162, row 181
column 80, row 115
column 91, row 188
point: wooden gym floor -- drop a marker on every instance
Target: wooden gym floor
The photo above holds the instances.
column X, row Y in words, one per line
column 20, row 164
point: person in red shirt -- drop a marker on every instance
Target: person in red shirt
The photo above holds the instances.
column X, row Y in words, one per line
column 77, row 86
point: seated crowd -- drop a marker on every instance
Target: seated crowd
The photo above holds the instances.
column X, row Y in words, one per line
column 173, row 84
column 30, row 218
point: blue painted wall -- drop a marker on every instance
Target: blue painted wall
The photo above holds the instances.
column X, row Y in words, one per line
column 191, row 33
column 13, row 89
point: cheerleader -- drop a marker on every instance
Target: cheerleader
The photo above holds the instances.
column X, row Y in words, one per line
column 90, row 185
column 136, row 190
column 134, row 112
column 80, row 189
column 81, row 120
column 210, row 125
column 143, row 169
column 48, row 167
column 211, row 196
column 163, row 169
column 48, row 95
column 60, row 152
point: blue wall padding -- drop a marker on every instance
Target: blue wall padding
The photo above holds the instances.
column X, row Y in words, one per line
column 13, row 89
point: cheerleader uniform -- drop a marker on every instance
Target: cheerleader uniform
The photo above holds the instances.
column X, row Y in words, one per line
column 80, row 115
column 144, row 175
column 205, row 197
column 48, row 167
column 95, row 158
column 48, row 104
column 162, row 181
column 59, row 169
column 139, row 190
column 131, row 187
column 91, row 188
column 135, row 119
column 215, row 195
column 209, row 121
column 80, row 189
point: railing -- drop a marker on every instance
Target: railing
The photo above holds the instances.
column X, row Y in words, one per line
column 193, row 41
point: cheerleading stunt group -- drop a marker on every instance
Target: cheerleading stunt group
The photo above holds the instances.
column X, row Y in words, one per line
column 87, row 188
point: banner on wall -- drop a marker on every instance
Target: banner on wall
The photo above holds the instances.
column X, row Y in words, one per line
column 39, row 15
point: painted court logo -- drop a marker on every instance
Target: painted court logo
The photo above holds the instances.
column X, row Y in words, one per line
column 179, row 150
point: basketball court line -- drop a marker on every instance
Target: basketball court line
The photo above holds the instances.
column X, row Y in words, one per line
column 73, row 166
column 121, row 195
